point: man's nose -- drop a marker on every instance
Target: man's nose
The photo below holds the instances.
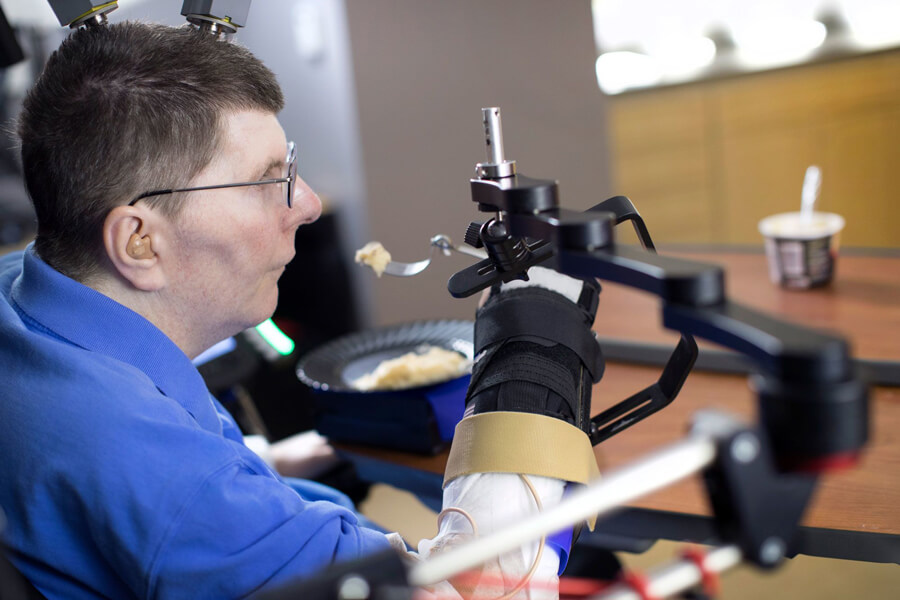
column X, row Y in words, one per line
column 306, row 205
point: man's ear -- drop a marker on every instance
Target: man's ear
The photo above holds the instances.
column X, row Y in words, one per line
column 128, row 237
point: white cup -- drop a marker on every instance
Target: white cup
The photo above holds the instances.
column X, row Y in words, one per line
column 802, row 252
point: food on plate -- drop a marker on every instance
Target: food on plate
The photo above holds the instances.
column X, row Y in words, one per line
column 429, row 364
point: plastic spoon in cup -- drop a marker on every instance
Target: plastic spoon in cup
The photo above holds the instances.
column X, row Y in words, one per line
column 812, row 181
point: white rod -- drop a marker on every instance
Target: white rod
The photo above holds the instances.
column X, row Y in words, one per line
column 655, row 472
column 677, row 576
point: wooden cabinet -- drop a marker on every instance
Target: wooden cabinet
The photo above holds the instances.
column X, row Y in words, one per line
column 863, row 152
column 704, row 162
column 660, row 160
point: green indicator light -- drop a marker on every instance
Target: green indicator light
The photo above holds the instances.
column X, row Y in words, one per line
column 275, row 337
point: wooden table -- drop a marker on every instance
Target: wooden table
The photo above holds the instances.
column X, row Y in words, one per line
column 853, row 511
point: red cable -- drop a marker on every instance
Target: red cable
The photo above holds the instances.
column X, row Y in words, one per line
column 579, row 587
column 708, row 579
column 639, row 583
column 838, row 461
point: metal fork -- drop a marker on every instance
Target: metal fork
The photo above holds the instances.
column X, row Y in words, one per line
column 440, row 242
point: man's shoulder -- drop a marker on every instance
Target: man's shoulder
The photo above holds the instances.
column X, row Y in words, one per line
column 58, row 373
column 53, row 384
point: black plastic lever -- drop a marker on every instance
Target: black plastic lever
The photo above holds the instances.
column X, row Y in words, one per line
column 624, row 210
column 485, row 273
column 649, row 400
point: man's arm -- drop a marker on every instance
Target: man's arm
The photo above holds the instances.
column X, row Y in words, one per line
column 524, row 435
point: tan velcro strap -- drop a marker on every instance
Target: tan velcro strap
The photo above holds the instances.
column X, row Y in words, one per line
column 516, row 442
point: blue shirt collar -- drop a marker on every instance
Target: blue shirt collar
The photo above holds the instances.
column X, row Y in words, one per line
column 87, row 318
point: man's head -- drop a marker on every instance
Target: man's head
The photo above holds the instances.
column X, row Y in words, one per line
column 136, row 108
column 121, row 110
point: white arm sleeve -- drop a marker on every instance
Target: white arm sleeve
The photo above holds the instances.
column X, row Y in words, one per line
column 495, row 501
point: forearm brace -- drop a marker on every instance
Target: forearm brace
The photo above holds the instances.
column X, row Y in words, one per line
column 528, row 404
column 535, row 353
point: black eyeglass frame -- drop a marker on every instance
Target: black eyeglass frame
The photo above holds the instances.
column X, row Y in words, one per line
column 289, row 180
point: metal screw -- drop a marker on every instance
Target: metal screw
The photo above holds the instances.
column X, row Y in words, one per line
column 353, row 587
column 772, row 550
column 745, row 448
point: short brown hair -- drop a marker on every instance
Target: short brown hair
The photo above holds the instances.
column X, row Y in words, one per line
column 124, row 109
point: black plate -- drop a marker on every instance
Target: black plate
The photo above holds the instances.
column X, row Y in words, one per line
column 335, row 365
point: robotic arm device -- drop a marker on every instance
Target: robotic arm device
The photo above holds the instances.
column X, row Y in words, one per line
column 82, row 13
column 214, row 16
column 217, row 16
column 813, row 409
column 812, row 406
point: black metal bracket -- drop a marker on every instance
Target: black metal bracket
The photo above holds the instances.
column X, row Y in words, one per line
column 624, row 210
column 755, row 505
column 486, row 273
column 660, row 394
column 649, row 400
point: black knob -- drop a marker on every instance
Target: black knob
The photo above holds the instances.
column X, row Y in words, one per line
column 505, row 251
column 472, row 235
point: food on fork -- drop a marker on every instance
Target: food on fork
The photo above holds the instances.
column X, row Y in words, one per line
column 375, row 256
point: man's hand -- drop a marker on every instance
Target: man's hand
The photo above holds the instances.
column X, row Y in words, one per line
column 305, row 455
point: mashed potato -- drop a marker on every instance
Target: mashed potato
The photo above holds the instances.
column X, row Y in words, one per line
column 374, row 255
column 414, row 369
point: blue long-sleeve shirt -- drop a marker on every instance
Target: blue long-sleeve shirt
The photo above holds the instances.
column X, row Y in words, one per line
column 120, row 476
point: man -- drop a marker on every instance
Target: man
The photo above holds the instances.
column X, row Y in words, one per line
column 167, row 202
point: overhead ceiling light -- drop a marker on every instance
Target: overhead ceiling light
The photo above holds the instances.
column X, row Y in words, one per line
column 622, row 70
column 777, row 42
column 873, row 25
column 680, row 57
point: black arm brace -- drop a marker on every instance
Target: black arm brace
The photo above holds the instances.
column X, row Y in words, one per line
column 535, row 353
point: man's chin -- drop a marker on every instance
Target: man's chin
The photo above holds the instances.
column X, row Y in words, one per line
column 262, row 313
column 271, row 306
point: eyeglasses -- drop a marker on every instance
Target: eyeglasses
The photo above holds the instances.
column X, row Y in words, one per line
column 289, row 180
